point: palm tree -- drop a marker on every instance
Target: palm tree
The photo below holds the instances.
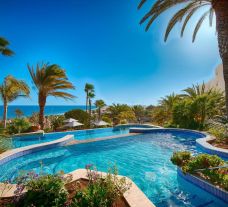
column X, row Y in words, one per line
column 88, row 88
column 207, row 102
column 115, row 110
column 91, row 95
column 50, row 80
column 139, row 112
column 99, row 104
column 167, row 103
column 4, row 50
column 10, row 90
column 19, row 113
column 187, row 10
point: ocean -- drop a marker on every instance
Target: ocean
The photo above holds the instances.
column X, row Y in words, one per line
column 49, row 109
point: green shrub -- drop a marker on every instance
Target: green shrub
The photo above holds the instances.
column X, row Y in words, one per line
column 203, row 161
column 32, row 129
column 43, row 191
column 79, row 115
column 180, row 158
column 101, row 191
column 18, row 125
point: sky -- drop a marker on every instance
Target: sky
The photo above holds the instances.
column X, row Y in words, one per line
column 101, row 42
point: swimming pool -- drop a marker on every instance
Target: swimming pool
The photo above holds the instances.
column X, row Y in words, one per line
column 145, row 158
column 78, row 134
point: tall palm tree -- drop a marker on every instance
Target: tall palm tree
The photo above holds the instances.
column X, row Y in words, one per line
column 10, row 90
column 4, row 50
column 91, row 95
column 50, row 80
column 99, row 104
column 168, row 102
column 187, row 9
column 89, row 88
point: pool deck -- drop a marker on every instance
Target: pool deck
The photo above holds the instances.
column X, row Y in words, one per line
column 100, row 139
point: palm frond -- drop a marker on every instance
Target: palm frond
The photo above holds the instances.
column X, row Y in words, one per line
column 178, row 18
column 62, row 94
column 3, row 42
column 142, row 2
column 7, row 52
column 199, row 24
column 211, row 15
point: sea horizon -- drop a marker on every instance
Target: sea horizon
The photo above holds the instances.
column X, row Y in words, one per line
column 28, row 110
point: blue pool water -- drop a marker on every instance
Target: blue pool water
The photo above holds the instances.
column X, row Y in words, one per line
column 79, row 135
column 144, row 158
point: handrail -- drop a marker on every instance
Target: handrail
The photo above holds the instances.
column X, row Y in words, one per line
column 213, row 168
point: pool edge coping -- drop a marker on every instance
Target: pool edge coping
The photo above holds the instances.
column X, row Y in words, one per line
column 134, row 196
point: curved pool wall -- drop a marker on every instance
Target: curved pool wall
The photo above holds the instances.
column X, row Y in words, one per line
column 149, row 165
column 22, row 141
column 19, row 152
column 160, row 130
column 136, row 125
column 203, row 143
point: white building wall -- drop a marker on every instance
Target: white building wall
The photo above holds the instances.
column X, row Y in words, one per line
column 218, row 80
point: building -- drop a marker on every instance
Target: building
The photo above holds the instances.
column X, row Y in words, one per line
column 218, row 80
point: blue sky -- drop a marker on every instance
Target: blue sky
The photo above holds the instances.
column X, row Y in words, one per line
column 101, row 42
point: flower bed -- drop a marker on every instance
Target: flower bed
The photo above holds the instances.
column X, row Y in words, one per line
column 78, row 189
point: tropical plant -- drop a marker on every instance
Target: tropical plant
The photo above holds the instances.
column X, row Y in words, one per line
column 180, row 158
column 115, row 110
column 42, row 190
column 56, row 121
column 127, row 116
column 4, row 50
column 89, row 88
column 187, row 8
column 50, row 80
column 101, row 191
column 167, row 104
column 99, row 104
column 91, row 95
column 79, row 115
column 19, row 113
column 10, row 90
column 139, row 112
column 18, row 125
column 34, row 118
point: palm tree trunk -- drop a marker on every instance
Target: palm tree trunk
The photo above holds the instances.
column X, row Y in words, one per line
column 99, row 113
column 221, row 11
column 90, row 108
column 42, row 103
column 86, row 101
column 5, row 113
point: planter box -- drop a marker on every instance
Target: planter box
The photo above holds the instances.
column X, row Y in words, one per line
column 217, row 192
